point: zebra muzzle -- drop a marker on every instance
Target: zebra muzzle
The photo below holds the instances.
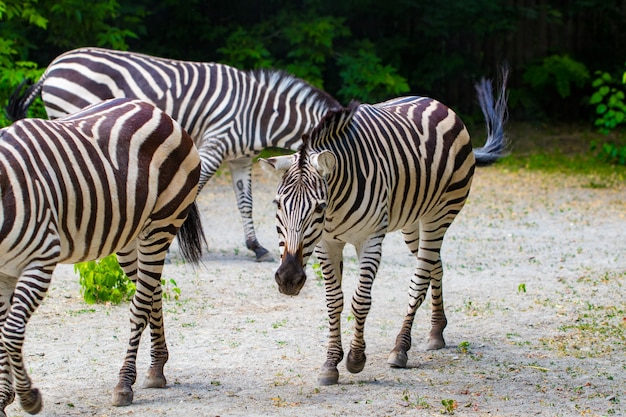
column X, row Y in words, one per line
column 290, row 275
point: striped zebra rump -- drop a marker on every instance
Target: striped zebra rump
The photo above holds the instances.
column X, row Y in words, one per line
column 405, row 164
column 118, row 177
column 232, row 115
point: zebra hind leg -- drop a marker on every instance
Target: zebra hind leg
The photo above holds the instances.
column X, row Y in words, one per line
column 241, row 171
column 428, row 273
column 154, row 378
column 142, row 312
column 438, row 316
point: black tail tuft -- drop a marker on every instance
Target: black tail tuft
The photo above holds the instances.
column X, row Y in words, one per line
column 497, row 144
column 20, row 101
column 191, row 236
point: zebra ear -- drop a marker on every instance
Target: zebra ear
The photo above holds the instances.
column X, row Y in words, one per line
column 277, row 165
column 324, row 162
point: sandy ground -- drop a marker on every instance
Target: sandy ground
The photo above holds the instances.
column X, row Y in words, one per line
column 534, row 288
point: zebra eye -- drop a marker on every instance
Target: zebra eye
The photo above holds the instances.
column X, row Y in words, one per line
column 277, row 203
column 320, row 207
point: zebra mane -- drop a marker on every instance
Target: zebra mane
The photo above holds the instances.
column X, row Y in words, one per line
column 333, row 122
column 302, row 152
column 283, row 81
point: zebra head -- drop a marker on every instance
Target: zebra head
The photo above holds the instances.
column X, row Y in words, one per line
column 301, row 202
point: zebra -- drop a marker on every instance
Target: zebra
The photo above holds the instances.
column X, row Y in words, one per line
column 231, row 114
column 117, row 177
column 367, row 170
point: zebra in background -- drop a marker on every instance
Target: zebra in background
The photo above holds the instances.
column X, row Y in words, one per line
column 405, row 164
column 232, row 115
column 118, row 177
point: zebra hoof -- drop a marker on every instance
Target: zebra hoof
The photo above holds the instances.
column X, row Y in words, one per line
column 32, row 403
column 435, row 343
column 263, row 255
column 328, row 376
column 397, row 359
column 355, row 362
column 154, row 382
column 122, row 396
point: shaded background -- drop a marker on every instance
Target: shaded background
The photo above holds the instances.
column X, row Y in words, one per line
column 368, row 50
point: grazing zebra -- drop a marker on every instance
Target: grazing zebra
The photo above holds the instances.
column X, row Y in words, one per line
column 232, row 115
column 405, row 164
column 118, row 177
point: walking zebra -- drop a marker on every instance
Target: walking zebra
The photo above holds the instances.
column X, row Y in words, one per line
column 232, row 115
column 118, row 177
column 405, row 164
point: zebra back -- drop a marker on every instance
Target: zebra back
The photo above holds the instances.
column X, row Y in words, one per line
column 88, row 184
column 258, row 109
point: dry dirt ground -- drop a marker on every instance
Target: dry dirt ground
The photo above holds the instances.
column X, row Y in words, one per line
column 534, row 286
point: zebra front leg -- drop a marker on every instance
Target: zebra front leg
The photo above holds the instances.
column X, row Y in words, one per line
column 7, row 395
column 241, row 172
column 369, row 259
column 330, row 257
column 29, row 292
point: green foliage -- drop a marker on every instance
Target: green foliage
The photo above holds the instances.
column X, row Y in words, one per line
column 557, row 72
column 306, row 45
column 66, row 24
column 171, row 291
column 13, row 69
column 101, row 23
column 245, row 49
column 104, row 281
column 365, row 78
column 311, row 45
column 24, row 10
column 608, row 100
column 612, row 153
column 448, row 406
column 364, row 50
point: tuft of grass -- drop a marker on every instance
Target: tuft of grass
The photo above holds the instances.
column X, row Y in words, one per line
column 597, row 173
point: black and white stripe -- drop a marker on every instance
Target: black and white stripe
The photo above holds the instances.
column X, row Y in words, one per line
column 367, row 170
column 231, row 114
column 118, row 177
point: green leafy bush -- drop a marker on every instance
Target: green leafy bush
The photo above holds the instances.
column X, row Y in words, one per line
column 548, row 86
column 557, row 72
column 612, row 153
column 609, row 102
column 365, row 78
column 104, row 281
column 608, row 99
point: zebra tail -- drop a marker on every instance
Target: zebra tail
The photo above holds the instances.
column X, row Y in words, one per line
column 495, row 112
column 191, row 236
column 19, row 102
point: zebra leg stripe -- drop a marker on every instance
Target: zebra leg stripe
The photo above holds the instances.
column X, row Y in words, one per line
column 370, row 254
column 332, row 271
column 144, row 310
column 241, row 172
column 28, row 294
column 7, row 394
column 155, row 377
